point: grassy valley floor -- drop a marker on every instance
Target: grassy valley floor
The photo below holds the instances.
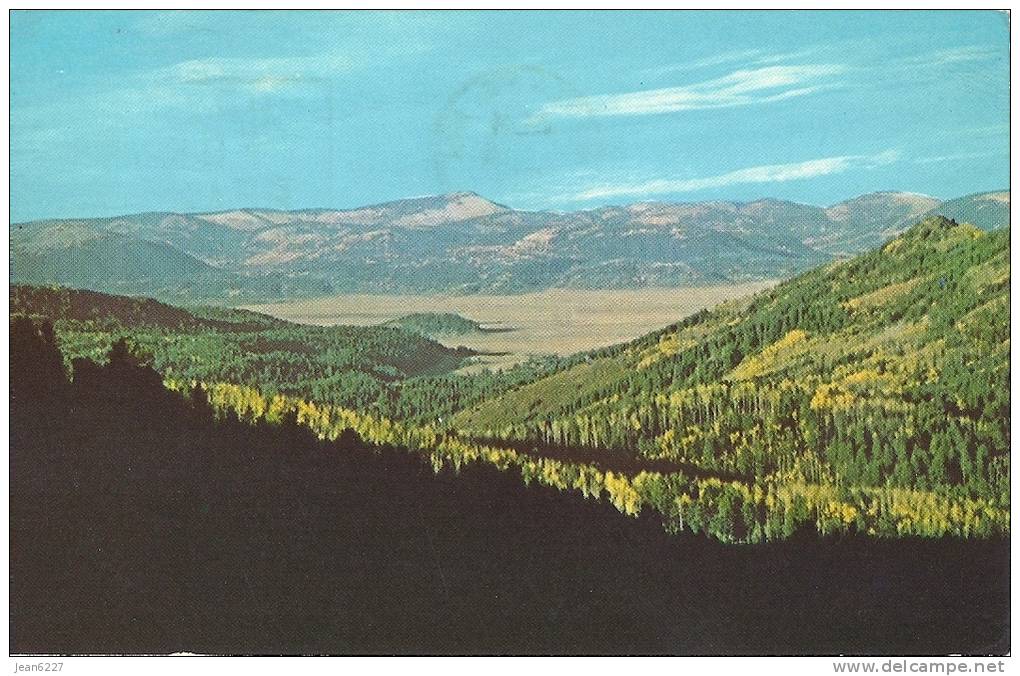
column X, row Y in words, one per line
column 558, row 321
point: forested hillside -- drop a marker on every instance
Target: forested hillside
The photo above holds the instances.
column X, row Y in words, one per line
column 145, row 524
column 351, row 366
column 890, row 370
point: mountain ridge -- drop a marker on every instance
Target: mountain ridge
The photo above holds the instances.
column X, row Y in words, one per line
column 471, row 193
column 464, row 243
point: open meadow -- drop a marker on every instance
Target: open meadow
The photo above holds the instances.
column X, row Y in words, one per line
column 556, row 321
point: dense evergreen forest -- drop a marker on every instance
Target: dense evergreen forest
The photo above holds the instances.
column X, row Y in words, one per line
column 383, row 370
column 867, row 396
column 144, row 522
column 888, row 372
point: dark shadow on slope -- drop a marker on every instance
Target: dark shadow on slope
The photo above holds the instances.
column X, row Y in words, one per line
column 604, row 458
column 140, row 524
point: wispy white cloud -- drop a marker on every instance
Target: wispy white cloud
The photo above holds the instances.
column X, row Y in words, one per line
column 723, row 58
column 763, row 77
column 779, row 57
column 739, row 88
column 769, row 173
column 750, row 58
column 255, row 76
column 215, row 83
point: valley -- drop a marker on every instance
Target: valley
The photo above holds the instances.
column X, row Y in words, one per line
column 553, row 322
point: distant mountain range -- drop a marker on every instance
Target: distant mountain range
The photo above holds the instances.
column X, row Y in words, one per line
column 464, row 243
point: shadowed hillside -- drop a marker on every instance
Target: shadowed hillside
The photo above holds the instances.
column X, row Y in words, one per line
column 140, row 523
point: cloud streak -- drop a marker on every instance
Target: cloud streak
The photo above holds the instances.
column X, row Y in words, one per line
column 201, row 86
column 254, row 76
column 213, row 84
column 763, row 78
column 769, row 173
column 739, row 88
column 723, row 58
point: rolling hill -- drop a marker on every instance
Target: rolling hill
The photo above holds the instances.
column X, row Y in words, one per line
column 987, row 211
column 889, row 370
column 436, row 324
column 346, row 365
column 463, row 243
column 885, row 298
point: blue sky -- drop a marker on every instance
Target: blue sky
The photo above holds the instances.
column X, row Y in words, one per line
column 121, row 112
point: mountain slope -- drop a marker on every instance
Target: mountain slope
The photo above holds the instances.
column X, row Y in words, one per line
column 120, row 264
column 352, row 366
column 318, row 546
column 890, row 369
column 463, row 243
column 987, row 211
column 867, row 221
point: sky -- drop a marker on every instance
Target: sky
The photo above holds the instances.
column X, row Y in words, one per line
column 123, row 112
